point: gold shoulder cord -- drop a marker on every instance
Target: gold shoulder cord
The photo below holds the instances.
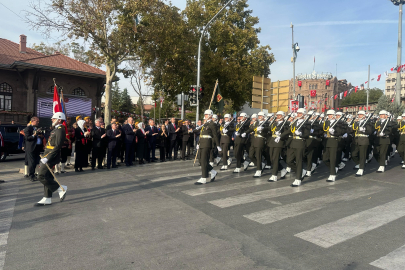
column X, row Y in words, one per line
column 401, row 127
column 273, row 129
column 293, row 130
column 375, row 126
column 326, row 130
column 355, row 129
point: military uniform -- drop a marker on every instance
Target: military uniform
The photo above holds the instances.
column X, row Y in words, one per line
column 226, row 139
column 312, row 145
column 275, row 147
column 208, row 137
column 52, row 153
column 401, row 141
column 382, row 141
column 361, row 142
column 240, row 142
column 258, row 143
column 330, row 157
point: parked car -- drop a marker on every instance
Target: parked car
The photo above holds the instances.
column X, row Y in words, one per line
column 12, row 140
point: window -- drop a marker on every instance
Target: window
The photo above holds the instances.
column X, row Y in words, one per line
column 326, row 87
column 6, row 93
column 79, row 92
column 310, row 86
column 316, row 86
column 51, row 88
column 393, row 80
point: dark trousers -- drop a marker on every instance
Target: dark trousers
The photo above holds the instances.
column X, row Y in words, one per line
column 224, row 154
column 380, row 153
column 186, row 145
column 129, row 153
column 33, row 160
column 401, row 150
column 255, row 156
column 330, row 159
column 312, row 153
column 162, row 153
column 153, row 150
column 167, row 147
column 122, row 151
column 97, row 153
column 359, row 154
column 112, row 157
column 297, row 155
column 173, row 147
column 46, row 178
column 239, row 153
column 204, row 161
column 275, row 159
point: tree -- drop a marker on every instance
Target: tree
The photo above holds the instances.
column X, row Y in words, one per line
column 51, row 49
column 126, row 102
column 395, row 109
column 230, row 51
column 109, row 27
column 115, row 97
column 361, row 97
column 383, row 104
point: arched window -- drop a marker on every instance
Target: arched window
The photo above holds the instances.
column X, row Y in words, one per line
column 6, row 95
column 316, row 86
column 310, row 86
column 79, row 92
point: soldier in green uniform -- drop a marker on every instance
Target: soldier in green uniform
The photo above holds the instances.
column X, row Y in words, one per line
column 214, row 158
column 249, row 141
column 51, row 158
column 276, row 145
column 240, row 140
column 259, row 129
column 208, row 136
column 312, row 144
column 362, row 131
column 383, row 128
column 299, row 130
column 332, row 134
column 226, row 129
column 401, row 141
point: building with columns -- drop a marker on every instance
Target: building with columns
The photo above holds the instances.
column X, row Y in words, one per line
column 26, row 83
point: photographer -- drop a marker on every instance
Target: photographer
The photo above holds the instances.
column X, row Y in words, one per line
column 33, row 146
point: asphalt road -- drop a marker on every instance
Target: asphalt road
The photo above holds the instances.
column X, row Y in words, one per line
column 153, row 217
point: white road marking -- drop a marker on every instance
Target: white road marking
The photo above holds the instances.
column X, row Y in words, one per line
column 346, row 228
column 306, row 206
column 208, row 190
column 271, row 193
column 393, row 261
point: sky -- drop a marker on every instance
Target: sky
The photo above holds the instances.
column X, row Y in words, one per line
column 343, row 36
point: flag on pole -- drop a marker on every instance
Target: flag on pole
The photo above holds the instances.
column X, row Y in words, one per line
column 379, row 78
column 345, row 94
column 56, row 101
column 313, row 93
column 341, row 95
column 355, row 89
column 219, row 100
column 336, row 96
column 386, row 74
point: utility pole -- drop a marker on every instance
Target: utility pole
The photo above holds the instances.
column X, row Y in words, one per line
column 399, row 56
column 204, row 30
column 295, row 49
column 368, row 87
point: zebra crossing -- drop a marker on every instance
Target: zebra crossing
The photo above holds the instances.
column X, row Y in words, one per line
column 231, row 193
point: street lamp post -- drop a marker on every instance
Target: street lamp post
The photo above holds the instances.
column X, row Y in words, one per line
column 399, row 52
column 205, row 28
column 295, row 49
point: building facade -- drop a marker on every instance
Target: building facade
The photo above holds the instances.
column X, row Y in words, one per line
column 324, row 88
column 390, row 84
column 27, row 82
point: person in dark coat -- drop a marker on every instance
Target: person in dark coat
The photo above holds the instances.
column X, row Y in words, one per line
column 114, row 137
column 142, row 148
column 33, row 146
column 162, row 139
column 129, row 131
column 81, row 148
column 152, row 139
column 172, row 132
column 99, row 144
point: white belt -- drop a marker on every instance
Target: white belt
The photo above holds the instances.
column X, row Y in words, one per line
column 205, row 136
column 260, row 136
column 361, row 135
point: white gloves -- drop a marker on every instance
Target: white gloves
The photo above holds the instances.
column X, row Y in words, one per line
column 362, row 129
column 331, row 131
column 344, row 135
column 44, row 160
column 381, row 134
column 243, row 135
column 277, row 139
column 219, row 148
column 375, row 132
column 236, row 133
column 298, row 133
column 278, row 133
column 225, row 130
column 312, row 130
column 259, row 128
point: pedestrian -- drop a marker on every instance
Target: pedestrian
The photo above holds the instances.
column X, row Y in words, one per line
column 142, row 148
column 129, row 131
column 162, row 143
column 99, row 144
column 82, row 136
column 33, row 146
column 114, row 136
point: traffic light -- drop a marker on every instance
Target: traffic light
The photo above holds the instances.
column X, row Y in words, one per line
column 201, row 94
column 192, row 95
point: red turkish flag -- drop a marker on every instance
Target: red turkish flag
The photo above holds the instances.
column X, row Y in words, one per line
column 392, row 69
column 345, row 94
column 327, row 82
column 313, row 93
column 355, row 89
column 56, row 101
column 335, row 96
column 299, row 83
column 398, row 69
column 379, row 77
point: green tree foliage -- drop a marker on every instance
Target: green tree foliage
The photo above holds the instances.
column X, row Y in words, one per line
column 126, row 102
column 74, row 50
column 384, row 103
column 115, row 97
column 361, row 97
column 230, row 49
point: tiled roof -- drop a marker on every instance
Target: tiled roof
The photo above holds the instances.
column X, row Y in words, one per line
column 9, row 54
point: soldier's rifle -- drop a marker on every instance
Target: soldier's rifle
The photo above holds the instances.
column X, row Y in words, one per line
column 337, row 121
column 303, row 123
column 367, row 119
column 386, row 123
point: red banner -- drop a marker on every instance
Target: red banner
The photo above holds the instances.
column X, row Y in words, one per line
column 313, row 93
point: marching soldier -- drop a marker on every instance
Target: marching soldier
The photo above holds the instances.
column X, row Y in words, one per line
column 240, row 141
column 276, row 146
column 208, row 136
column 249, row 142
column 52, row 157
column 362, row 130
column 401, row 142
column 226, row 130
column 333, row 131
column 313, row 143
column 383, row 128
column 299, row 131
column 258, row 142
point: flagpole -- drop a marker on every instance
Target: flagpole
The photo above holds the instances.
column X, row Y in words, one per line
column 368, row 86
